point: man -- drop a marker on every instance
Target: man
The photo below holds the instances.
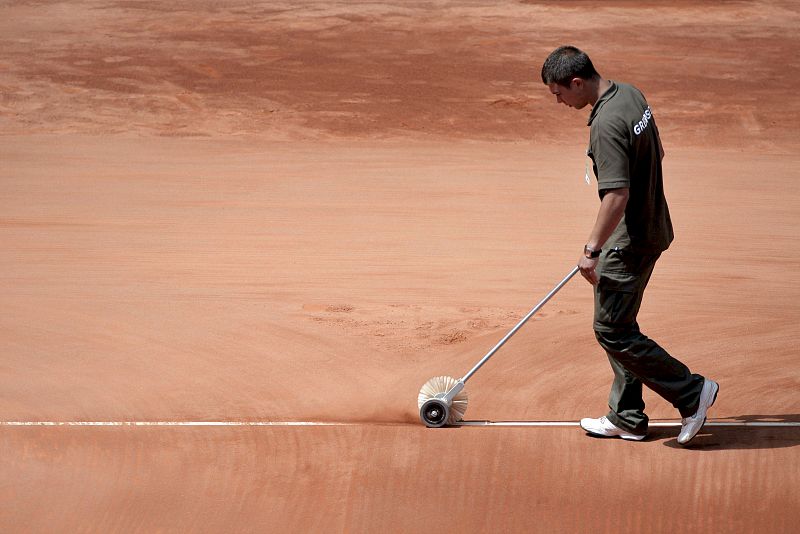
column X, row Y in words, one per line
column 632, row 229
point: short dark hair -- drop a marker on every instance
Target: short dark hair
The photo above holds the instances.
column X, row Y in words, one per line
column 565, row 63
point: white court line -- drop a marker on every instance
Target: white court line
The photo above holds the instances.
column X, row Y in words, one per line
column 340, row 423
column 576, row 423
column 173, row 423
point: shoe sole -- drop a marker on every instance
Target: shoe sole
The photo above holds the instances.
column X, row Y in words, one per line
column 713, row 400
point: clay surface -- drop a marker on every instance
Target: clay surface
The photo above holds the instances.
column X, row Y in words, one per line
column 302, row 211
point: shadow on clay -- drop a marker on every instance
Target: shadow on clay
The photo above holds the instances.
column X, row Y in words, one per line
column 720, row 438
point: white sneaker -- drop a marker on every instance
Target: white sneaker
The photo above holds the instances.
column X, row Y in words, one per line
column 690, row 426
column 605, row 428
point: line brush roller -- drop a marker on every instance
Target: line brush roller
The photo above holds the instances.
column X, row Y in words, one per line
column 442, row 400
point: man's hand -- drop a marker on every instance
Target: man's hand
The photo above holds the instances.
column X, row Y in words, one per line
column 612, row 208
column 588, row 268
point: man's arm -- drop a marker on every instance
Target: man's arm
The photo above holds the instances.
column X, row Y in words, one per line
column 612, row 208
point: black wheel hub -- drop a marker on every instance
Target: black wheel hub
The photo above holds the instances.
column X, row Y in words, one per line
column 434, row 413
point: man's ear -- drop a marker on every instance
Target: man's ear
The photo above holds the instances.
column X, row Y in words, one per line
column 576, row 83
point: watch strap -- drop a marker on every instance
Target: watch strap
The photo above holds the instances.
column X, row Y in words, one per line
column 591, row 253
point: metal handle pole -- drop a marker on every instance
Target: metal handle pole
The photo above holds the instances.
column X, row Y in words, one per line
column 522, row 322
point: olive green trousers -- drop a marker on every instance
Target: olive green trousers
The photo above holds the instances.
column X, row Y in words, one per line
column 635, row 358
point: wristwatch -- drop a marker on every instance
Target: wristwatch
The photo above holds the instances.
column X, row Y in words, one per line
column 591, row 253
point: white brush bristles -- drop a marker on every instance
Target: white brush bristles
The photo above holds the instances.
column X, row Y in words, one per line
column 439, row 385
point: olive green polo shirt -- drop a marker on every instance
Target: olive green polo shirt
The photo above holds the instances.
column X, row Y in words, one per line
column 626, row 152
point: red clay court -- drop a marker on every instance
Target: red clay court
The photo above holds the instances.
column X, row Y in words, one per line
column 225, row 216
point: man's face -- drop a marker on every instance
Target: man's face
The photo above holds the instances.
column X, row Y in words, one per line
column 571, row 95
